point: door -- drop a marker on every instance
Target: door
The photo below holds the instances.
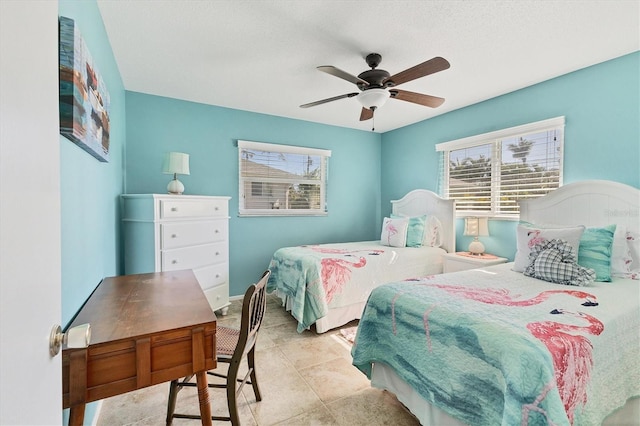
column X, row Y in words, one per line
column 30, row 298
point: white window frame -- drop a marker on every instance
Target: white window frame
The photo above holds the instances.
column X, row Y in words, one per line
column 494, row 141
column 281, row 210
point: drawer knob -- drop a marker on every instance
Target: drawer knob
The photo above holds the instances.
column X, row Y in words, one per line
column 174, row 209
column 174, row 261
column 174, row 235
column 217, row 231
column 216, row 208
column 217, row 275
column 217, row 253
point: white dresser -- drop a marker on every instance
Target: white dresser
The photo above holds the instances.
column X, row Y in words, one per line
column 173, row 232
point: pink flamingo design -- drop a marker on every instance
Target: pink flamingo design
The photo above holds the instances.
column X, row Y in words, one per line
column 572, row 354
column 537, row 239
column 503, row 296
column 391, row 231
column 337, row 271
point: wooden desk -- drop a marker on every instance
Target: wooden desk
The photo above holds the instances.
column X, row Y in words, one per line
column 145, row 329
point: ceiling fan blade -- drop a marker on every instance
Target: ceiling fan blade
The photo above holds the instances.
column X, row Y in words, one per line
column 431, row 66
column 366, row 114
column 337, row 72
column 416, row 98
column 324, row 101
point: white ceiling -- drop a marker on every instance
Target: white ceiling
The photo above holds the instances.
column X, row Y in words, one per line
column 261, row 56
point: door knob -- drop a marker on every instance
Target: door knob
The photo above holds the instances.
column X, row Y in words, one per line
column 76, row 337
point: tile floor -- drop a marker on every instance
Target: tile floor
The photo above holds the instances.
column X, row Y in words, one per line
column 305, row 379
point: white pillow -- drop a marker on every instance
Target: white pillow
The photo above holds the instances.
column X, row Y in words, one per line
column 620, row 254
column 394, row 231
column 625, row 259
column 432, row 232
column 528, row 236
column 633, row 241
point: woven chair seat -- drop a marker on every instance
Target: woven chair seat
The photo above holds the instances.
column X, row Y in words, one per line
column 226, row 340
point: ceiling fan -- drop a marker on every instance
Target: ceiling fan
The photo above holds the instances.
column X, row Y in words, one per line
column 377, row 85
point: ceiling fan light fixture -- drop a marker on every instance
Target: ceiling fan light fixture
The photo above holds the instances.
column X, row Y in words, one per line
column 373, row 98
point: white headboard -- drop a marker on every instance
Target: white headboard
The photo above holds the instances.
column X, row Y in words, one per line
column 589, row 203
column 422, row 201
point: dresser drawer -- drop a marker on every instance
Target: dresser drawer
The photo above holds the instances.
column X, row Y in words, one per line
column 218, row 297
column 184, row 234
column 172, row 209
column 194, row 257
column 212, row 275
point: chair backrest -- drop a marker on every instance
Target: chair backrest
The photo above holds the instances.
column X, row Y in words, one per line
column 254, row 306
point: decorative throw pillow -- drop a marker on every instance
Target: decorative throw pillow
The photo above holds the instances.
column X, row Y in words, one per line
column 633, row 243
column 555, row 261
column 595, row 251
column 529, row 235
column 432, row 232
column 621, row 260
column 394, row 232
column 415, row 230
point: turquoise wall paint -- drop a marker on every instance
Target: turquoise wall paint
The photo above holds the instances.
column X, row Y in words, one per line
column 89, row 188
column 602, row 135
column 601, row 142
column 209, row 133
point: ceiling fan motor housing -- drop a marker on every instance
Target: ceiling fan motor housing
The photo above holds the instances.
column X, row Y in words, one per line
column 374, row 78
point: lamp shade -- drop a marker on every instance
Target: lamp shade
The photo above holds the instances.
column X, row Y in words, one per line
column 476, row 226
column 373, row 98
column 176, row 163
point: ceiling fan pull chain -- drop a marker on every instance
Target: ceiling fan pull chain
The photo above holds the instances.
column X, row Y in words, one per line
column 373, row 118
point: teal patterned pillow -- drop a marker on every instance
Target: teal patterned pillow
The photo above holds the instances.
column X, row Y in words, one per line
column 595, row 251
column 415, row 230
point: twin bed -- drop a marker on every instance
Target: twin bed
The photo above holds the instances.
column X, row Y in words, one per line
column 327, row 285
column 497, row 346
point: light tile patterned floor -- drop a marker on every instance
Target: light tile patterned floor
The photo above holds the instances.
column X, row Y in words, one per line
column 305, row 379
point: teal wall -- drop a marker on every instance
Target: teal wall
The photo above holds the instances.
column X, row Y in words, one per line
column 602, row 135
column 367, row 170
column 90, row 189
column 209, row 134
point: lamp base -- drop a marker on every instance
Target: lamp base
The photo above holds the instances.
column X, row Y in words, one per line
column 476, row 248
column 175, row 187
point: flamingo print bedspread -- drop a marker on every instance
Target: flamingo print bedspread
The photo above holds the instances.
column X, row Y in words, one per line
column 494, row 347
column 316, row 278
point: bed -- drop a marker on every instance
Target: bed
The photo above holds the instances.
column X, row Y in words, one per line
column 327, row 285
column 498, row 346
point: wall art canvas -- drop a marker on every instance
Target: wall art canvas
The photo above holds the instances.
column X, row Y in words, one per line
column 84, row 99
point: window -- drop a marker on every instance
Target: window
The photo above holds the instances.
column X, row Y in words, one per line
column 488, row 174
column 281, row 180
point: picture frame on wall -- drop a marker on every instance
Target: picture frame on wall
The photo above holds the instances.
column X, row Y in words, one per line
column 84, row 98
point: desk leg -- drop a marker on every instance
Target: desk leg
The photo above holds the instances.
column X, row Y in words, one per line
column 203, row 398
column 77, row 386
column 76, row 415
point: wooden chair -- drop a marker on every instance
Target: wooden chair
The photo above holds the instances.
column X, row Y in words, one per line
column 232, row 345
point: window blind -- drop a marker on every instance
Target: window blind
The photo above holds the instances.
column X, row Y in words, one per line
column 488, row 174
column 282, row 179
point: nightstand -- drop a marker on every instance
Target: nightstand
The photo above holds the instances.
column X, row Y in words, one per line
column 453, row 262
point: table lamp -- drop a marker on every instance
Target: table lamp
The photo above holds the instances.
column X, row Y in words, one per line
column 476, row 227
column 176, row 163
